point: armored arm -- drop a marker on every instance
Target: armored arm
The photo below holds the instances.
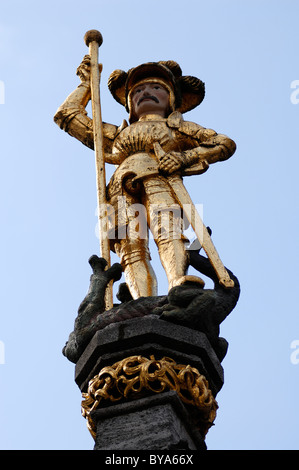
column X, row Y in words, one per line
column 72, row 116
column 212, row 147
column 199, row 147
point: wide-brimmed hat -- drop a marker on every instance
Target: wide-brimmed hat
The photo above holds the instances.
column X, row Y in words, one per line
column 188, row 91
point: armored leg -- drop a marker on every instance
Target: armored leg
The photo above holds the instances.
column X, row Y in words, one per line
column 135, row 260
column 166, row 224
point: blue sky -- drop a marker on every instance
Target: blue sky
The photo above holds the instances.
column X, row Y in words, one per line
column 246, row 53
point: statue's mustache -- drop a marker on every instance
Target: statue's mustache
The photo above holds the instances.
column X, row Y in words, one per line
column 148, row 97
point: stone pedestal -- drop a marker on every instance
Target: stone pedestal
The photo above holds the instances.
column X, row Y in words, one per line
column 149, row 384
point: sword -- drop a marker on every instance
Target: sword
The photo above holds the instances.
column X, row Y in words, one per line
column 93, row 39
column 185, row 201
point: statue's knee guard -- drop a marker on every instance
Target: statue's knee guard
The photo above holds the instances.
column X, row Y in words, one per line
column 135, row 260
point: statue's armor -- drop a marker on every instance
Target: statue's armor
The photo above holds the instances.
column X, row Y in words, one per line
column 134, row 147
column 140, row 137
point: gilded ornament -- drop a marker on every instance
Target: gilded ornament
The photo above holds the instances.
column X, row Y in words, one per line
column 137, row 377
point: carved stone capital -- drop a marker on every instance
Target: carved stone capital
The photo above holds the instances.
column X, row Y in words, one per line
column 137, row 377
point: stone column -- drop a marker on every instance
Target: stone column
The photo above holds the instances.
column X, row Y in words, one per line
column 148, row 384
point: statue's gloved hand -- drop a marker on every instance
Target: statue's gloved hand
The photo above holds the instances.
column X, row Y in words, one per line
column 171, row 162
column 83, row 71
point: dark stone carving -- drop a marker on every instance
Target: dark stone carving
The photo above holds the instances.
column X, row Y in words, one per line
column 91, row 313
column 202, row 309
column 146, row 336
column 189, row 305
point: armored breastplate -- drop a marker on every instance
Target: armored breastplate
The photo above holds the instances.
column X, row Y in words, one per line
column 140, row 137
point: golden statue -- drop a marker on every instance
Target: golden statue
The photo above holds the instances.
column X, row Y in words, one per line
column 152, row 154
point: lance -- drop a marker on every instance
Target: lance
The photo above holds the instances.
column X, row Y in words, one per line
column 93, row 40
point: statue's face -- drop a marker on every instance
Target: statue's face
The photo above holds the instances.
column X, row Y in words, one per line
column 150, row 98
